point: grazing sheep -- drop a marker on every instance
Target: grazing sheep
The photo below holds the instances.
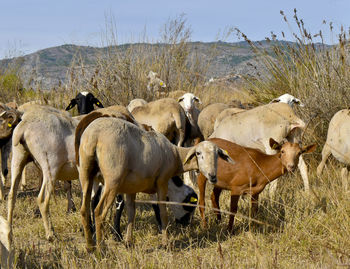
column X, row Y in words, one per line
column 207, row 117
column 85, row 102
column 165, row 116
column 135, row 103
column 250, row 174
column 253, row 128
column 288, row 99
column 338, row 144
column 132, row 160
column 6, row 251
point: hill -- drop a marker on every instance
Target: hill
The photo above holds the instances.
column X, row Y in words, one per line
column 49, row 67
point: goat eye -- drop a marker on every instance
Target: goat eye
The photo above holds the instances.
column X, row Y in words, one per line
column 282, row 151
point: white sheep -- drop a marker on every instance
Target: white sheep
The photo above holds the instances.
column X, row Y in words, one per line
column 288, row 99
column 132, row 160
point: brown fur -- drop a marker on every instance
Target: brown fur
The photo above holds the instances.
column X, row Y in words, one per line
column 250, row 174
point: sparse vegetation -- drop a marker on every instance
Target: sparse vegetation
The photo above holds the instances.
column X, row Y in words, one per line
column 294, row 230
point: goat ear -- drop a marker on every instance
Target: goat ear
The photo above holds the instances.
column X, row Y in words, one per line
column 97, row 102
column 73, row 102
column 2, row 114
column 198, row 100
column 274, row 144
column 224, row 155
column 309, row 149
column 190, row 155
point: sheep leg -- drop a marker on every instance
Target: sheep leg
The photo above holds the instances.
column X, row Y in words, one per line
column 44, row 201
column 215, row 201
column 344, row 178
column 23, row 179
column 233, row 210
column 19, row 160
column 326, row 151
column 101, row 211
column 120, row 207
column 162, row 192
column 68, row 188
column 201, row 180
column 86, row 182
column 130, row 208
column 303, row 171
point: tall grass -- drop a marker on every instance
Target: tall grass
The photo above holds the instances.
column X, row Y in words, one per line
column 307, row 67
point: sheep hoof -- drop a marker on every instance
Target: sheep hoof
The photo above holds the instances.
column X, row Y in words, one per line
column 50, row 237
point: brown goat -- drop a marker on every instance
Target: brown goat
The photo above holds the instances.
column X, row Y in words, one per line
column 250, row 174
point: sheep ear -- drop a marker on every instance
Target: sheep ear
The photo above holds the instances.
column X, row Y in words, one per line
column 97, row 102
column 297, row 101
column 276, row 100
column 198, row 100
column 309, row 149
column 2, row 114
column 180, row 99
column 274, row 144
column 73, row 102
column 190, row 155
column 224, row 155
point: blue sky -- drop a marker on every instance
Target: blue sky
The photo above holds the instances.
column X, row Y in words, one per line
column 29, row 25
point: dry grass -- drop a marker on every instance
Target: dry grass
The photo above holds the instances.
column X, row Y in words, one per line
column 295, row 230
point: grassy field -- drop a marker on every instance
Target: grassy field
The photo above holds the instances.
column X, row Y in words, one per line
column 293, row 230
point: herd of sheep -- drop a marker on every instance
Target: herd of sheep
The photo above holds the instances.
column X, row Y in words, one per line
column 119, row 151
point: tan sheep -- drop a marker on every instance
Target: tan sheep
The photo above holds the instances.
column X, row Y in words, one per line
column 207, row 117
column 165, row 116
column 132, row 160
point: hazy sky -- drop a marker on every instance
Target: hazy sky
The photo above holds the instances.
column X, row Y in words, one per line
column 29, row 25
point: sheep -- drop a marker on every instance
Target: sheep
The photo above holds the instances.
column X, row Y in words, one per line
column 226, row 113
column 9, row 118
column 135, row 103
column 178, row 191
column 132, row 160
column 165, row 116
column 55, row 155
column 207, row 117
column 155, row 85
column 188, row 103
column 288, row 99
column 253, row 128
column 85, row 102
column 6, row 251
column 337, row 143
column 250, row 174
